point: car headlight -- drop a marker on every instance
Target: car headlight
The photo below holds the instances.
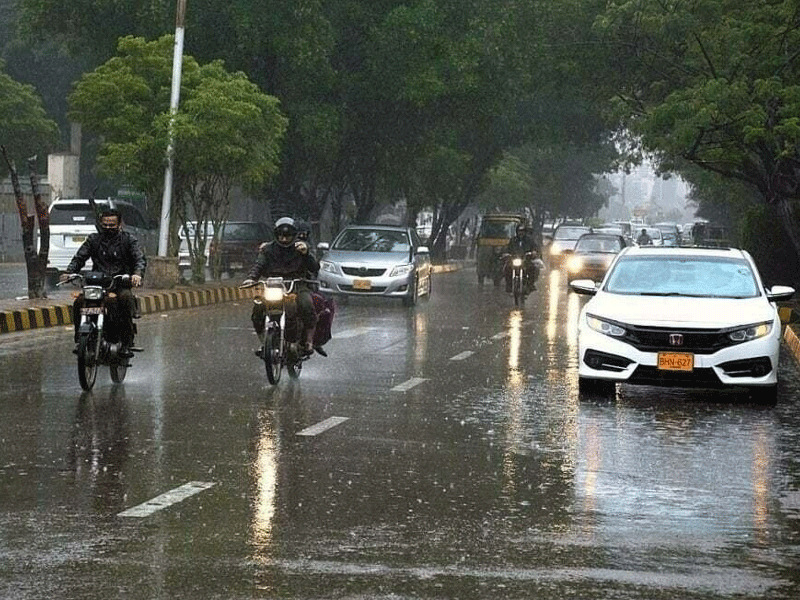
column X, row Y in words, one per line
column 401, row 270
column 604, row 327
column 327, row 266
column 574, row 263
column 554, row 250
column 751, row 332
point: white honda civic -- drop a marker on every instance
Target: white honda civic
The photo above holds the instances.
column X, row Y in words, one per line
column 684, row 317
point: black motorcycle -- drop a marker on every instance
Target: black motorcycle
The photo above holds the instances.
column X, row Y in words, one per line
column 283, row 329
column 99, row 335
column 523, row 272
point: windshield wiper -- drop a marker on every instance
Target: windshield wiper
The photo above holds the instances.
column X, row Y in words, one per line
column 671, row 294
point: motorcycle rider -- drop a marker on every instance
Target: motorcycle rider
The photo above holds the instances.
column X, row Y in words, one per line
column 521, row 245
column 289, row 258
column 113, row 252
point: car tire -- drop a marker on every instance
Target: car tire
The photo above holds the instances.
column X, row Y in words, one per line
column 596, row 389
column 411, row 299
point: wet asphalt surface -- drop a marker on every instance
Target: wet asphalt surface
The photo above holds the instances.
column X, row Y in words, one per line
column 438, row 452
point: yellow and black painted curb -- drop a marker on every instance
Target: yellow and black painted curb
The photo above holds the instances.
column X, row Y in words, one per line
column 53, row 316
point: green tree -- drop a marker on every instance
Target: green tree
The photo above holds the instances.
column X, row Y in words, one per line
column 226, row 132
column 715, row 83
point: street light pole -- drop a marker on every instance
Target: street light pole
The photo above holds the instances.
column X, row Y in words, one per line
column 177, row 62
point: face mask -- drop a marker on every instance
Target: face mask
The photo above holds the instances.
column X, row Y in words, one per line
column 110, row 231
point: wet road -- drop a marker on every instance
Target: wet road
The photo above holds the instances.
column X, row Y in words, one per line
column 439, row 452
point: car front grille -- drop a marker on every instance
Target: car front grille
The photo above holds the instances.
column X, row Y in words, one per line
column 645, row 375
column 362, row 272
column 373, row 290
column 664, row 339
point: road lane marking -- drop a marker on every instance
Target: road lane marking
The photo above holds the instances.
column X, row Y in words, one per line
column 167, row 499
column 413, row 382
column 350, row 333
column 463, row 355
column 323, row 426
column 501, row 335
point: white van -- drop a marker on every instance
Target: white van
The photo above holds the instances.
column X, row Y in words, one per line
column 72, row 220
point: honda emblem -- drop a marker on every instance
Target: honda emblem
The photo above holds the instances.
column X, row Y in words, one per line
column 676, row 339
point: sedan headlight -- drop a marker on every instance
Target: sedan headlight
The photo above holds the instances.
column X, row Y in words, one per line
column 401, row 270
column 327, row 266
column 574, row 263
column 751, row 332
column 604, row 327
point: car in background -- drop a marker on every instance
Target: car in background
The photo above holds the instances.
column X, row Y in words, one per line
column 376, row 260
column 593, row 255
column 564, row 238
column 73, row 219
column 684, row 317
column 670, row 234
column 186, row 236
column 237, row 246
column 656, row 238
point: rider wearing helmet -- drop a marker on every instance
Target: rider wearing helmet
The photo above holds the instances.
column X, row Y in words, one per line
column 289, row 258
column 522, row 244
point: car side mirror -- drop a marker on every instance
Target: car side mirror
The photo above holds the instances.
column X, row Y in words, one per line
column 779, row 293
column 323, row 246
column 423, row 250
column 587, row 287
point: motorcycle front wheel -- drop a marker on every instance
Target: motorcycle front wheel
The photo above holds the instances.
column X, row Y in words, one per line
column 518, row 297
column 87, row 360
column 271, row 354
column 118, row 372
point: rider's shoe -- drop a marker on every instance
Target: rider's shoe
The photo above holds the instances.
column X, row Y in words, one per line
column 259, row 352
column 306, row 349
column 126, row 352
column 320, row 351
column 75, row 349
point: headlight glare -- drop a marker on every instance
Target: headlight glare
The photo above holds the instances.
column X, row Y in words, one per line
column 604, row 327
column 574, row 264
column 92, row 293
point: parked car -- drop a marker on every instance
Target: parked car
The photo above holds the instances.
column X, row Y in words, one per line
column 376, row 260
column 593, row 255
column 186, row 235
column 72, row 220
column 237, row 246
column 564, row 238
column 685, row 317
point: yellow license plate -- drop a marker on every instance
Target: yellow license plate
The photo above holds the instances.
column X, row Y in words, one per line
column 362, row 284
column 675, row 361
column 92, row 310
column 78, row 239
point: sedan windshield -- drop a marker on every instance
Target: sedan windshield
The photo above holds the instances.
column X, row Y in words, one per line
column 696, row 276
column 570, row 233
column 372, row 240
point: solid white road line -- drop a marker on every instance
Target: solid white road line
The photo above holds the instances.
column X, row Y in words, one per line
column 322, row 426
column 351, row 333
column 166, row 499
column 463, row 355
column 413, row 382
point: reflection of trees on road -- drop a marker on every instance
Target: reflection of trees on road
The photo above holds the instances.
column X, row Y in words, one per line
column 99, row 448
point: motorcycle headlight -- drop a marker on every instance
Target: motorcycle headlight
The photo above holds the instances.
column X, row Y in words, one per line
column 327, row 266
column 516, row 262
column 604, row 327
column 751, row 332
column 273, row 294
column 92, row 293
column 401, row 270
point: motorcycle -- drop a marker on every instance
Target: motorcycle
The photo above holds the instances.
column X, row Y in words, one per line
column 523, row 271
column 99, row 340
column 283, row 330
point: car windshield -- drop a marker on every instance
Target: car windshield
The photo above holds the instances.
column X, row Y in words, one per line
column 498, row 229
column 569, row 233
column 372, row 240
column 244, row 231
column 598, row 244
column 699, row 276
column 70, row 214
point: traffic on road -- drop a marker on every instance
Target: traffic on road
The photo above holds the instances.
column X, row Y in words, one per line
column 439, row 450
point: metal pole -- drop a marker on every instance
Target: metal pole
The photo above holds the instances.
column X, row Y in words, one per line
column 177, row 62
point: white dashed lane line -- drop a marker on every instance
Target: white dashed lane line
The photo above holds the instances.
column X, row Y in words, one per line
column 322, row 426
column 462, row 355
column 167, row 499
column 411, row 383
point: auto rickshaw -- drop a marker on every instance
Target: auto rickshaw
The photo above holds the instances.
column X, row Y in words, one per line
column 493, row 236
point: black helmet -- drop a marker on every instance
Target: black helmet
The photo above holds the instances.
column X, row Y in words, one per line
column 285, row 231
column 303, row 230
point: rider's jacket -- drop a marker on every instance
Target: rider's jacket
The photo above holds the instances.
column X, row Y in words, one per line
column 274, row 260
column 519, row 245
column 117, row 254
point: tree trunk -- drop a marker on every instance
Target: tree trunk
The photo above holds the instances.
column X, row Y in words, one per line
column 790, row 222
column 27, row 221
column 36, row 276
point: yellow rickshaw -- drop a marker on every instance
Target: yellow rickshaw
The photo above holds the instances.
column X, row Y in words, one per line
column 493, row 236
